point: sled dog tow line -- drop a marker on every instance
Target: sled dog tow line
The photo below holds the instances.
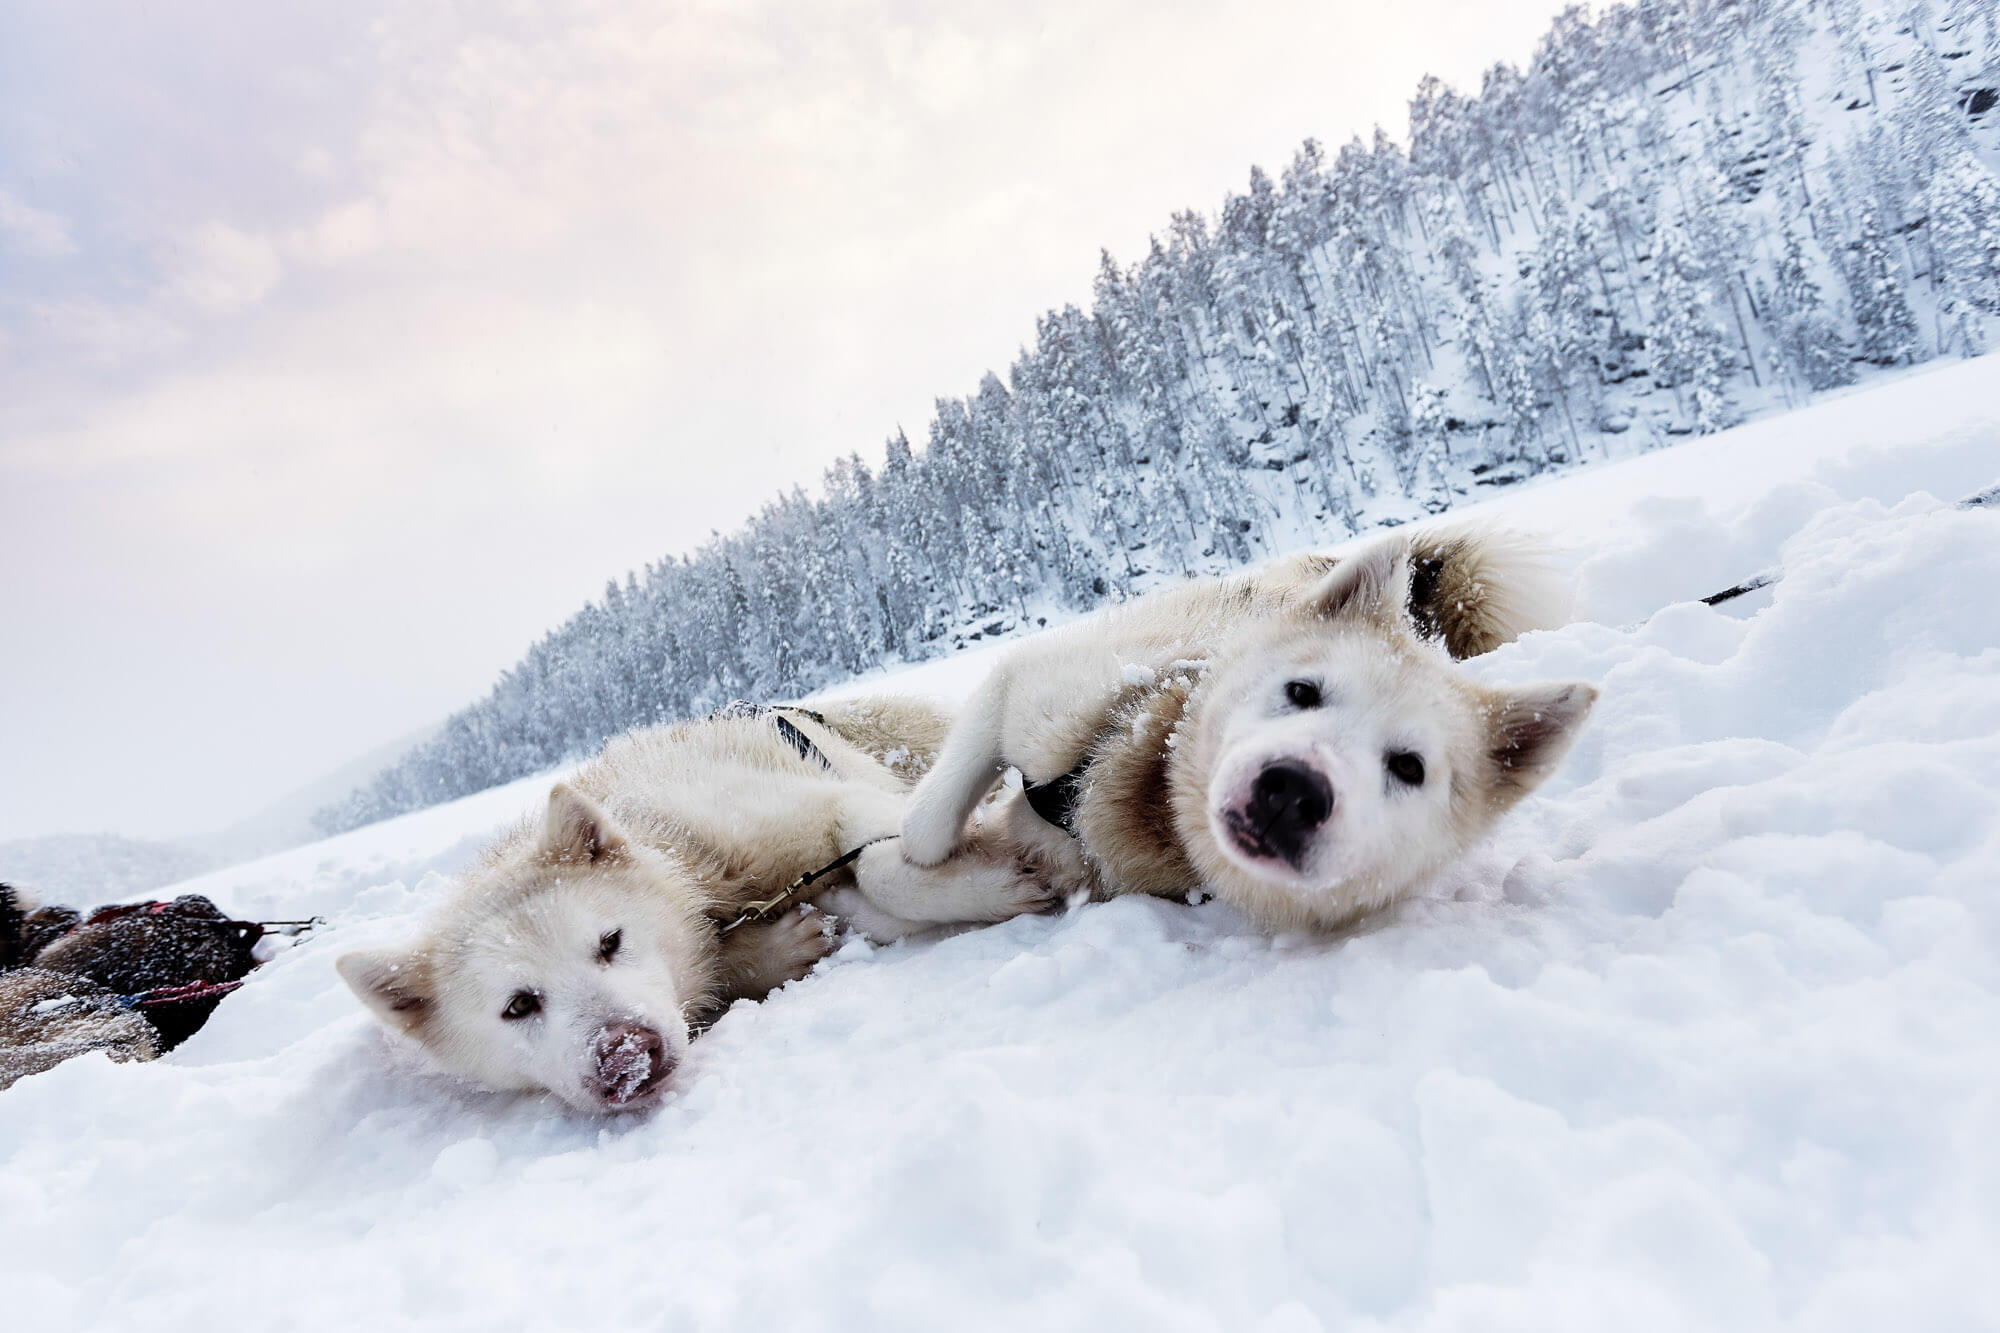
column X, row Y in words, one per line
column 1977, row 500
column 771, row 906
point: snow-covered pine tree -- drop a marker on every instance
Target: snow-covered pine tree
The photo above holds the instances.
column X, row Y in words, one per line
column 1809, row 344
column 1690, row 350
column 1887, row 330
column 1560, row 318
column 1428, row 416
column 1963, row 209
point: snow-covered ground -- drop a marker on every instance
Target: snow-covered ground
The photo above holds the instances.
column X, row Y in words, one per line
column 1707, row 1037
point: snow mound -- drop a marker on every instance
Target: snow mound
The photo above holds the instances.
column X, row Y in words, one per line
column 1707, row 1037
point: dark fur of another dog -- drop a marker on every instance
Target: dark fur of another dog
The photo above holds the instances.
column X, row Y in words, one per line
column 73, row 983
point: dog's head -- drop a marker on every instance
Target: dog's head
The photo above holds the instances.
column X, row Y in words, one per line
column 1341, row 759
column 568, row 964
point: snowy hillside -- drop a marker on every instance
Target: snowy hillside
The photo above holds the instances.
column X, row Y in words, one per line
column 99, row 867
column 1683, row 213
column 103, row 867
column 1708, row 1036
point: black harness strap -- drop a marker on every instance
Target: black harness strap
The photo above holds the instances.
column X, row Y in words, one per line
column 795, row 738
column 800, row 741
column 1055, row 800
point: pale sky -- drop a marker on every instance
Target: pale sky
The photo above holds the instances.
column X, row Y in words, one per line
column 346, row 347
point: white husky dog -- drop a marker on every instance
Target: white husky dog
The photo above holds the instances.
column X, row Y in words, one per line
column 1295, row 740
column 583, row 951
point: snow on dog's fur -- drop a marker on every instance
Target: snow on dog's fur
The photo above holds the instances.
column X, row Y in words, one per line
column 584, row 950
column 1296, row 740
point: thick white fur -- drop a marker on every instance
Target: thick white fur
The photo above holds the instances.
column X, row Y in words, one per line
column 670, row 832
column 1174, row 702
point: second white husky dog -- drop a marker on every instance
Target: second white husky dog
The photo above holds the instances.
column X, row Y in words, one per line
column 1296, row 740
column 585, row 949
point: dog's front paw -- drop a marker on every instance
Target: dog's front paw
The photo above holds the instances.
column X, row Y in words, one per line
column 931, row 828
column 758, row 957
column 800, row 939
column 999, row 888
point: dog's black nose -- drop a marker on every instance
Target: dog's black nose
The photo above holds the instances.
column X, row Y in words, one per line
column 1287, row 802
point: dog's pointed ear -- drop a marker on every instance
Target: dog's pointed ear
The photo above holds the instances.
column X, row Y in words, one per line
column 393, row 983
column 1529, row 728
column 1373, row 582
column 577, row 830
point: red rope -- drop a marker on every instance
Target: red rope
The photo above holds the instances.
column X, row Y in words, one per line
column 194, row 990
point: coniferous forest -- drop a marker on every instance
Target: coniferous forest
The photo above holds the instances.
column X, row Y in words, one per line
column 1680, row 214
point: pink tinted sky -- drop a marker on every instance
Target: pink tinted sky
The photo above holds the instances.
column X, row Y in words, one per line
column 344, row 350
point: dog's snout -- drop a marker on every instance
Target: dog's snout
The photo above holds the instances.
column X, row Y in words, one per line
column 1287, row 802
column 632, row 1061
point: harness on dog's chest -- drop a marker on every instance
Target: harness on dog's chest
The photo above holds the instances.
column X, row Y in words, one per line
column 1056, row 799
column 795, row 738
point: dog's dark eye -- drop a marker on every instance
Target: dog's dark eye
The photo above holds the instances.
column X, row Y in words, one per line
column 1407, row 767
column 1302, row 694
column 524, row 1003
column 607, row 944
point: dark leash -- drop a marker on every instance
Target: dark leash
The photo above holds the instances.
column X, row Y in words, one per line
column 1977, row 500
column 770, row 907
column 252, row 931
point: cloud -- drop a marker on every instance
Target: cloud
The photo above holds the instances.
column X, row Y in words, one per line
column 222, row 269
column 32, row 231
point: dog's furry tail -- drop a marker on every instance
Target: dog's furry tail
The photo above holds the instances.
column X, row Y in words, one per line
column 1475, row 586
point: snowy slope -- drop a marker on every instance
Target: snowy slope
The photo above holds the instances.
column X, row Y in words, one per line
column 1707, row 1037
column 287, row 821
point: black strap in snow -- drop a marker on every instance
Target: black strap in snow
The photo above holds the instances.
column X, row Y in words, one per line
column 1976, row 500
column 1751, row 584
column 1055, row 800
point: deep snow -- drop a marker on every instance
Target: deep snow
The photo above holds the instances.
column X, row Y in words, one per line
column 1708, row 1036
